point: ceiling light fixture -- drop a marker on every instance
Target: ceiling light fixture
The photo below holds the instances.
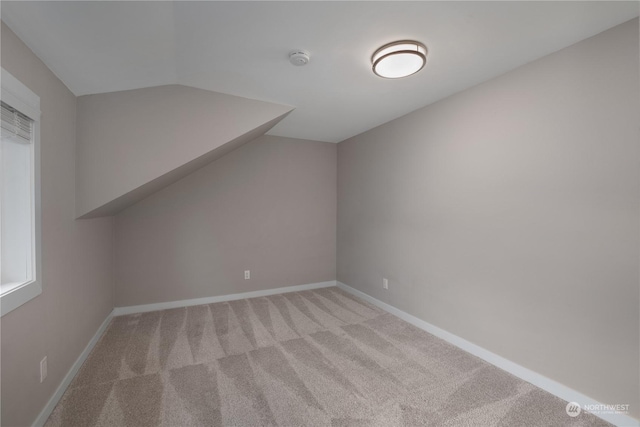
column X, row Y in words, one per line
column 399, row 59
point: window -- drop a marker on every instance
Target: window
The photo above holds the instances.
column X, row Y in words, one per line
column 20, row 258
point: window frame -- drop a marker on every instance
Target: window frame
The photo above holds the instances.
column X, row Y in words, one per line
column 20, row 97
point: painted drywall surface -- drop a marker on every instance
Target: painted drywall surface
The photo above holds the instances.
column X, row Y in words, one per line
column 508, row 215
column 77, row 292
column 129, row 139
column 268, row 207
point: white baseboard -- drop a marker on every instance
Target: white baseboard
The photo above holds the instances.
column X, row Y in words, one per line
column 547, row 384
column 133, row 309
column 51, row 404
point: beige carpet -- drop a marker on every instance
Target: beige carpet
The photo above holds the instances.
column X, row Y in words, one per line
column 314, row 358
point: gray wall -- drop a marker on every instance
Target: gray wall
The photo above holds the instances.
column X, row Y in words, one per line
column 76, row 257
column 268, row 207
column 508, row 215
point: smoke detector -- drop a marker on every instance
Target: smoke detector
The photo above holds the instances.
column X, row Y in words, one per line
column 299, row 57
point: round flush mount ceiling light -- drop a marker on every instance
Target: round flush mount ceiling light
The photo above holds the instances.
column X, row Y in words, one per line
column 399, row 59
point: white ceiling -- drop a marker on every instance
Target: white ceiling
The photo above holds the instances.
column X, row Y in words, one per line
column 241, row 48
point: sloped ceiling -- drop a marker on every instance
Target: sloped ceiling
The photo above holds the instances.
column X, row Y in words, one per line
column 167, row 86
column 241, row 48
column 133, row 143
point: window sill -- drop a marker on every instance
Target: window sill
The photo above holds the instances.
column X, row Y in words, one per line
column 16, row 294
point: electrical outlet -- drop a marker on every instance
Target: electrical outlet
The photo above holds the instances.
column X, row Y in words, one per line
column 385, row 283
column 247, row 274
column 43, row 369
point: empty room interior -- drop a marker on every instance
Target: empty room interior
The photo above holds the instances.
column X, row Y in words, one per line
column 331, row 213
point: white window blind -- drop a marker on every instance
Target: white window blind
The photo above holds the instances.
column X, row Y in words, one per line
column 15, row 125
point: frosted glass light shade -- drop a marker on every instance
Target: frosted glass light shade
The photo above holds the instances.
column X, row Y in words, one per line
column 399, row 59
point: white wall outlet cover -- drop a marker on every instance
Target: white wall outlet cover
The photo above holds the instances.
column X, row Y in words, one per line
column 43, row 369
column 247, row 274
column 385, row 283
